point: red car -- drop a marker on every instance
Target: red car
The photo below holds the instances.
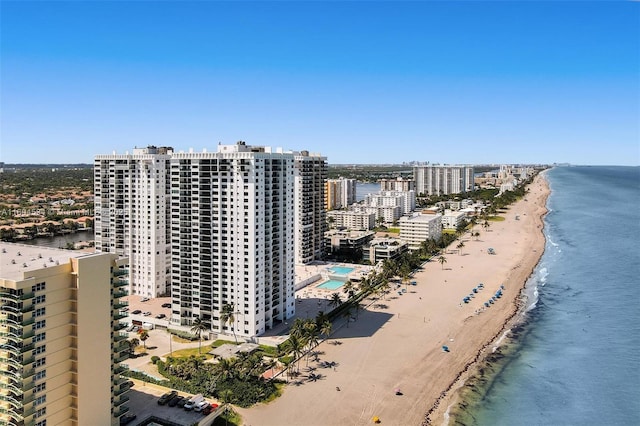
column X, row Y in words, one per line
column 210, row 409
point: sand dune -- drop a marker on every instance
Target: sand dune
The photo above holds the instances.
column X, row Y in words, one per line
column 399, row 345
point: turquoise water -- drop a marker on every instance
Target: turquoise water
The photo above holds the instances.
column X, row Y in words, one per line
column 340, row 270
column 331, row 285
column 577, row 358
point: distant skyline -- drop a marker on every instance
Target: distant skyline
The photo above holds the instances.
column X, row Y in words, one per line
column 360, row 82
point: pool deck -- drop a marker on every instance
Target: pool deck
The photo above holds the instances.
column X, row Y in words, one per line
column 311, row 299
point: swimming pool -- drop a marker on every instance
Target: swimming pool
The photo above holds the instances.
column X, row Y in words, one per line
column 341, row 270
column 331, row 285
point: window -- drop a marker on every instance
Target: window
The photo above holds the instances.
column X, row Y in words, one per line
column 39, row 337
column 40, row 350
column 40, row 400
column 39, row 324
column 38, row 287
column 39, row 312
column 40, row 362
column 40, row 375
column 41, row 423
column 41, row 387
column 39, row 299
column 41, row 412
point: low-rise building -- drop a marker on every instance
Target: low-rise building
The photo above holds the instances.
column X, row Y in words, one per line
column 416, row 228
column 453, row 219
column 383, row 248
column 352, row 219
column 340, row 241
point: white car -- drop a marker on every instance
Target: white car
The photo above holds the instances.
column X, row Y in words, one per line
column 201, row 406
column 146, row 314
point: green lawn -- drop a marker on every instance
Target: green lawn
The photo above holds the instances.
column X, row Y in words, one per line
column 186, row 353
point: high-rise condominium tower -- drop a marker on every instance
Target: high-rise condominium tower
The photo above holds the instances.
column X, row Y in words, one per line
column 232, row 237
column 443, row 180
column 310, row 172
column 340, row 193
column 131, row 209
column 60, row 339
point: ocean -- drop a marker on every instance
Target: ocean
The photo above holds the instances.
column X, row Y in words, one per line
column 575, row 358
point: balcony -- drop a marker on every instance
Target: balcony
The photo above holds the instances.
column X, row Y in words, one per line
column 121, row 282
column 11, row 413
column 26, row 296
column 120, row 369
column 120, row 272
column 26, row 348
column 121, row 400
column 121, row 412
column 119, row 294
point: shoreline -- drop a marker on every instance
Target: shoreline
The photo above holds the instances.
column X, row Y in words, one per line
column 474, row 370
column 397, row 341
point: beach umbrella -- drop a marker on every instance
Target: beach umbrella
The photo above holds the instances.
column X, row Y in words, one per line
column 376, row 419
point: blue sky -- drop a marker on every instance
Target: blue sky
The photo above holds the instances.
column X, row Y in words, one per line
column 359, row 82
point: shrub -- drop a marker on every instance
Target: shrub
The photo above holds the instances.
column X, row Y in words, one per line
column 155, row 359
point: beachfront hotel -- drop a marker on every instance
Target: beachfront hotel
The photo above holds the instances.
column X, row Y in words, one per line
column 60, row 344
column 340, row 193
column 131, row 211
column 443, row 180
column 233, row 237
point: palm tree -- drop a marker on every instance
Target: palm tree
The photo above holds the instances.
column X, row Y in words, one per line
column 143, row 335
column 325, row 328
column 442, row 261
column 297, row 346
column 198, row 328
column 226, row 316
column 335, row 300
column 460, row 246
column 133, row 342
column 348, row 288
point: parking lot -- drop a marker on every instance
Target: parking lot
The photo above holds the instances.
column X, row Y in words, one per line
column 143, row 402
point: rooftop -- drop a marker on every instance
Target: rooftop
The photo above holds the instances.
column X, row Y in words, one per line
column 17, row 259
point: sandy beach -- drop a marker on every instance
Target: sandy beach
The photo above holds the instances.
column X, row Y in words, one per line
column 397, row 343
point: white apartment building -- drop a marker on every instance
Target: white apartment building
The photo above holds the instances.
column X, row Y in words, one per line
column 387, row 214
column 389, row 205
column 418, row 227
column 310, row 172
column 453, row 219
column 398, row 184
column 233, row 237
column 443, row 180
column 352, row 219
column 340, row 193
column 60, row 339
column 131, row 210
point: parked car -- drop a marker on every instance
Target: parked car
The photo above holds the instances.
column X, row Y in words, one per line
column 166, row 305
column 160, row 316
column 195, row 400
column 174, row 401
column 131, row 327
column 127, row 418
column 137, row 311
column 201, row 406
column 166, row 397
column 144, row 299
column 183, row 400
column 210, row 409
column 146, row 314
